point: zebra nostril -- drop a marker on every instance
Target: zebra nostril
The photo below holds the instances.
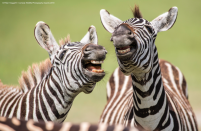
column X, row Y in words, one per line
column 105, row 52
column 111, row 39
column 129, row 32
column 86, row 49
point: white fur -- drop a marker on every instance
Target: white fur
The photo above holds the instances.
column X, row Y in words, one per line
column 108, row 89
column 84, row 126
column 27, row 107
column 165, row 21
column 109, row 21
column 91, row 36
column 48, row 43
column 66, row 126
column 34, row 105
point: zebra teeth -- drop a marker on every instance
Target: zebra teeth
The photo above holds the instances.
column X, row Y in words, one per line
column 98, row 70
column 96, row 62
column 124, row 51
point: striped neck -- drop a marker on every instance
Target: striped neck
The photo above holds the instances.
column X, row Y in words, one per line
column 69, row 87
column 150, row 101
column 54, row 98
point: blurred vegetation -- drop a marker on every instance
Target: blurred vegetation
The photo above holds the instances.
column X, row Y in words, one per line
column 18, row 48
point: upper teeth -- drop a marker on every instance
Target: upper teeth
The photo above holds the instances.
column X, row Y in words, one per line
column 96, row 62
column 124, row 51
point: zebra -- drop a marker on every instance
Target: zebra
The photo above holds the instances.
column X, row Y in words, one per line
column 47, row 90
column 13, row 124
column 153, row 94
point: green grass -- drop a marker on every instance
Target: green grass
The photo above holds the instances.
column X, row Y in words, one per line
column 18, row 48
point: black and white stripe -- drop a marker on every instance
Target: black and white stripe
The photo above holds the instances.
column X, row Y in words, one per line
column 7, row 124
column 154, row 95
column 48, row 90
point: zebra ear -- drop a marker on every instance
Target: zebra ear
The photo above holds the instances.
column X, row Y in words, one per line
column 91, row 36
column 109, row 21
column 45, row 38
column 165, row 21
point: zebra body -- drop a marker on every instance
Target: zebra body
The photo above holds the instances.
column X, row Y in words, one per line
column 154, row 94
column 48, row 90
column 120, row 93
column 13, row 124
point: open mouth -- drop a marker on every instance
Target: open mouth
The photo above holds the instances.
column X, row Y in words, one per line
column 93, row 66
column 124, row 50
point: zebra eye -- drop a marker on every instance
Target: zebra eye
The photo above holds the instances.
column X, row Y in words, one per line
column 149, row 29
column 62, row 55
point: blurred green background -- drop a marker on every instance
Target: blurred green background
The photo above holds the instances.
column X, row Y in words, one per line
column 18, row 48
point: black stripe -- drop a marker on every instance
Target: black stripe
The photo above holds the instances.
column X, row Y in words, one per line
column 12, row 104
column 74, row 128
column 110, row 128
column 93, row 128
column 38, row 114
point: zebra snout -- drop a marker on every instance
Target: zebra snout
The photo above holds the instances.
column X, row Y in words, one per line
column 95, row 55
column 100, row 55
column 122, row 36
column 95, row 52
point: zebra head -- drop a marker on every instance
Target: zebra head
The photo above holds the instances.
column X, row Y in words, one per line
column 134, row 38
column 77, row 64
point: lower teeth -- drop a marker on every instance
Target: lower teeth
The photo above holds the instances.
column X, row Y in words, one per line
column 97, row 71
